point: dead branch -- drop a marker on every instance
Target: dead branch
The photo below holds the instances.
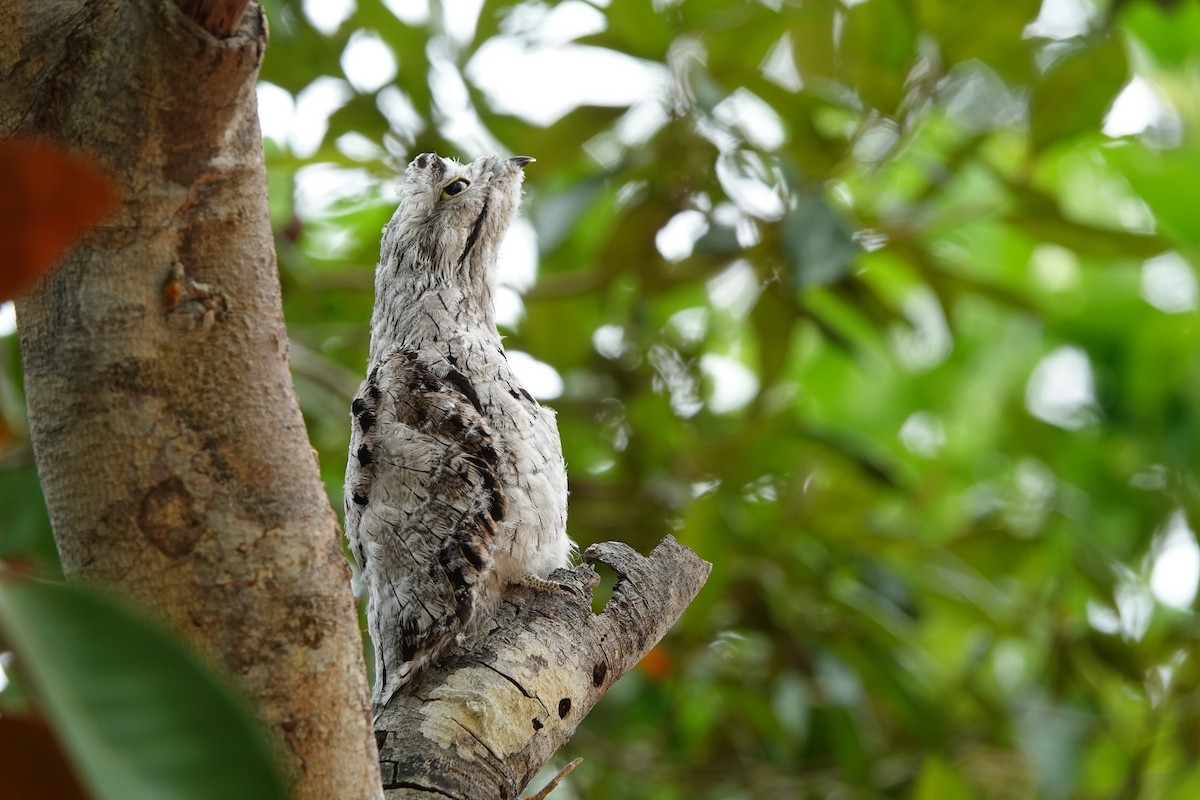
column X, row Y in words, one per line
column 481, row 723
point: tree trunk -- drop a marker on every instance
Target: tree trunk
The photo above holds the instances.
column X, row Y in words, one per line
column 169, row 442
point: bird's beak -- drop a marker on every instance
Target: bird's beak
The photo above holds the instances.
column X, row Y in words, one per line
column 521, row 161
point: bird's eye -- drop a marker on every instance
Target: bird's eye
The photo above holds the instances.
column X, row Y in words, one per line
column 454, row 187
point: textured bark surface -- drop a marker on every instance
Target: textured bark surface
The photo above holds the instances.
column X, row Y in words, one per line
column 169, row 442
column 480, row 723
column 220, row 17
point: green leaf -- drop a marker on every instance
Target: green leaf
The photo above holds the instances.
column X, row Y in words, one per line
column 960, row 37
column 1171, row 35
column 310, row 54
column 1076, row 92
column 816, row 241
column 940, row 781
column 878, row 47
column 739, row 37
column 360, row 115
column 1166, row 180
column 810, row 28
column 140, row 716
column 773, row 317
column 1039, row 216
column 845, row 741
column 491, row 14
column 557, row 147
column 637, row 28
column 26, row 528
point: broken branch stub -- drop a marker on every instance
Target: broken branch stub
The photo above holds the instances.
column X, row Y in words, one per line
column 481, row 722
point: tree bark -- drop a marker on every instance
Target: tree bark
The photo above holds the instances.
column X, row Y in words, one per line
column 479, row 724
column 169, row 442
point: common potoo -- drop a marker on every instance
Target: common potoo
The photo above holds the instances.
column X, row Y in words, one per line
column 456, row 485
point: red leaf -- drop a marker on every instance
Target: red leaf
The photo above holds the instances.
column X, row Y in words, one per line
column 48, row 198
column 35, row 767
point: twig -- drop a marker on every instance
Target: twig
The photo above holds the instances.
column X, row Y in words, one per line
column 553, row 784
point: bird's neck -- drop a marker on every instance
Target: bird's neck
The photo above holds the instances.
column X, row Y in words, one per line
column 420, row 316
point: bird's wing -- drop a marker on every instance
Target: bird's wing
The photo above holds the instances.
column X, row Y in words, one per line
column 422, row 504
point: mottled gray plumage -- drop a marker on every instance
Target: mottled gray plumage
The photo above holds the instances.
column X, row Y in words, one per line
column 455, row 485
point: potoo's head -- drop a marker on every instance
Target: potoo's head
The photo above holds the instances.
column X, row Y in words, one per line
column 452, row 217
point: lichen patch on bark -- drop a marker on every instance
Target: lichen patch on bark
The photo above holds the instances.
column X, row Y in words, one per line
column 169, row 519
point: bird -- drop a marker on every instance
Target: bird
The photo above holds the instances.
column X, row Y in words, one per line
column 456, row 485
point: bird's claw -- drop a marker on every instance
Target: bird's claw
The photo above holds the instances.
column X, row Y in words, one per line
column 543, row 585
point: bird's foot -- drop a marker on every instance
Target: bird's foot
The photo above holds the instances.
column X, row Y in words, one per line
column 532, row 581
column 540, row 584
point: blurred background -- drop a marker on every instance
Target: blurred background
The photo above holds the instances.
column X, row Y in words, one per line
column 887, row 308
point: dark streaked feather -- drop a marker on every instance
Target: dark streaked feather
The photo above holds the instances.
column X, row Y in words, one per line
column 423, row 504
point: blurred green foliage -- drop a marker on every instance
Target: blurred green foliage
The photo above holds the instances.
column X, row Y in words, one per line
column 915, row 364
column 140, row 715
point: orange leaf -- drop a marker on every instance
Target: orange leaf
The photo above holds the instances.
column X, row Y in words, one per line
column 656, row 665
column 48, row 198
